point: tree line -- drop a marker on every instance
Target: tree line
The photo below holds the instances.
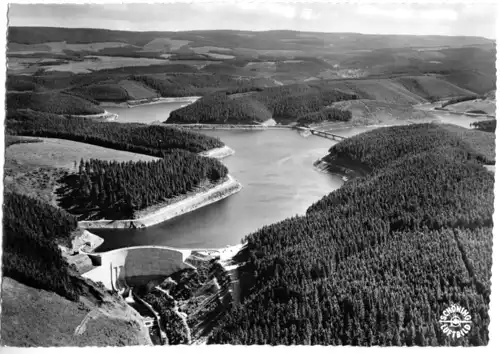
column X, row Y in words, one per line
column 328, row 114
column 460, row 99
column 151, row 140
column 192, row 84
column 377, row 261
column 485, row 125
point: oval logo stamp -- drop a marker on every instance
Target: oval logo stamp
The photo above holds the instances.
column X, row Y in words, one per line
column 455, row 321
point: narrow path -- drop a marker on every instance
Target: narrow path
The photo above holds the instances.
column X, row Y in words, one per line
column 82, row 327
column 468, row 264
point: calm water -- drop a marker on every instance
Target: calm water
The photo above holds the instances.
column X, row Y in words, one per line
column 279, row 181
column 147, row 113
column 458, row 119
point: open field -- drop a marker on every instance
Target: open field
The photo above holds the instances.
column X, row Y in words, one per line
column 164, row 45
column 59, row 153
column 17, row 65
column 488, row 106
column 377, row 112
column 35, row 169
column 465, row 61
column 60, row 47
column 104, row 62
column 136, row 90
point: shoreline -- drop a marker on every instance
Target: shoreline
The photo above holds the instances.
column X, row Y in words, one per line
column 106, row 116
column 146, row 102
column 223, row 190
column 197, row 126
column 218, row 153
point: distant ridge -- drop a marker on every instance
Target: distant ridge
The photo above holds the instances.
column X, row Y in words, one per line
column 38, row 35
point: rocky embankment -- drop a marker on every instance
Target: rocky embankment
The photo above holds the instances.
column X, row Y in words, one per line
column 218, row 153
column 105, row 116
column 197, row 126
column 223, row 190
column 149, row 101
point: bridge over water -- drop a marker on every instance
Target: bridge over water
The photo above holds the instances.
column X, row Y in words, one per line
column 327, row 135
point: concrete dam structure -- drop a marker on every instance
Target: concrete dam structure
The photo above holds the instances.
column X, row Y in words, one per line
column 134, row 266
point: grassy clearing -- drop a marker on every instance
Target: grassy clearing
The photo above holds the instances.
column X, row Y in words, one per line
column 66, row 154
column 104, row 62
column 12, row 140
column 137, row 90
column 35, row 169
column 488, row 106
column 164, row 44
column 35, row 182
column 377, row 112
column 32, row 317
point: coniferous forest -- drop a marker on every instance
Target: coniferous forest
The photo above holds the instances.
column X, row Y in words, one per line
column 117, row 190
column 57, row 103
column 377, row 261
column 32, row 231
column 327, row 114
column 282, row 102
column 151, row 140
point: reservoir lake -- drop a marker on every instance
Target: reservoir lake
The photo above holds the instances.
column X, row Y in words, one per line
column 275, row 168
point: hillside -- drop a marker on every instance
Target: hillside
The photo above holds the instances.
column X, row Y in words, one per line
column 138, row 138
column 56, row 103
column 355, row 269
column 41, row 291
column 290, row 102
column 283, row 56
column 38, row 318
column 478, row 105
column 366, row 112
column 228, row 38
column 373, row 263
column 287, row 102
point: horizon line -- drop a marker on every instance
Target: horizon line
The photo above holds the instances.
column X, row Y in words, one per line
column 256, row 31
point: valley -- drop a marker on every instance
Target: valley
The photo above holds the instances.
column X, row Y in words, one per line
column 134, row 159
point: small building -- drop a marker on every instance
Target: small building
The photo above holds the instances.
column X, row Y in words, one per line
column 149, row 321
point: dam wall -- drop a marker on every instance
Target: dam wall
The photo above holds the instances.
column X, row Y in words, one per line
column 135, row 266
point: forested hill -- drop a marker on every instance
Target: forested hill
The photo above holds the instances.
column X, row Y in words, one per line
column 282, row 102
column 152, row 140
column 113, row 190
column 310, row 101
column 377, row 261
column 52, row 102
column 32, row 232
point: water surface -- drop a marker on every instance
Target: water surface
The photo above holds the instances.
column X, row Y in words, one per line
column 276, row 170
column 146, row 114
